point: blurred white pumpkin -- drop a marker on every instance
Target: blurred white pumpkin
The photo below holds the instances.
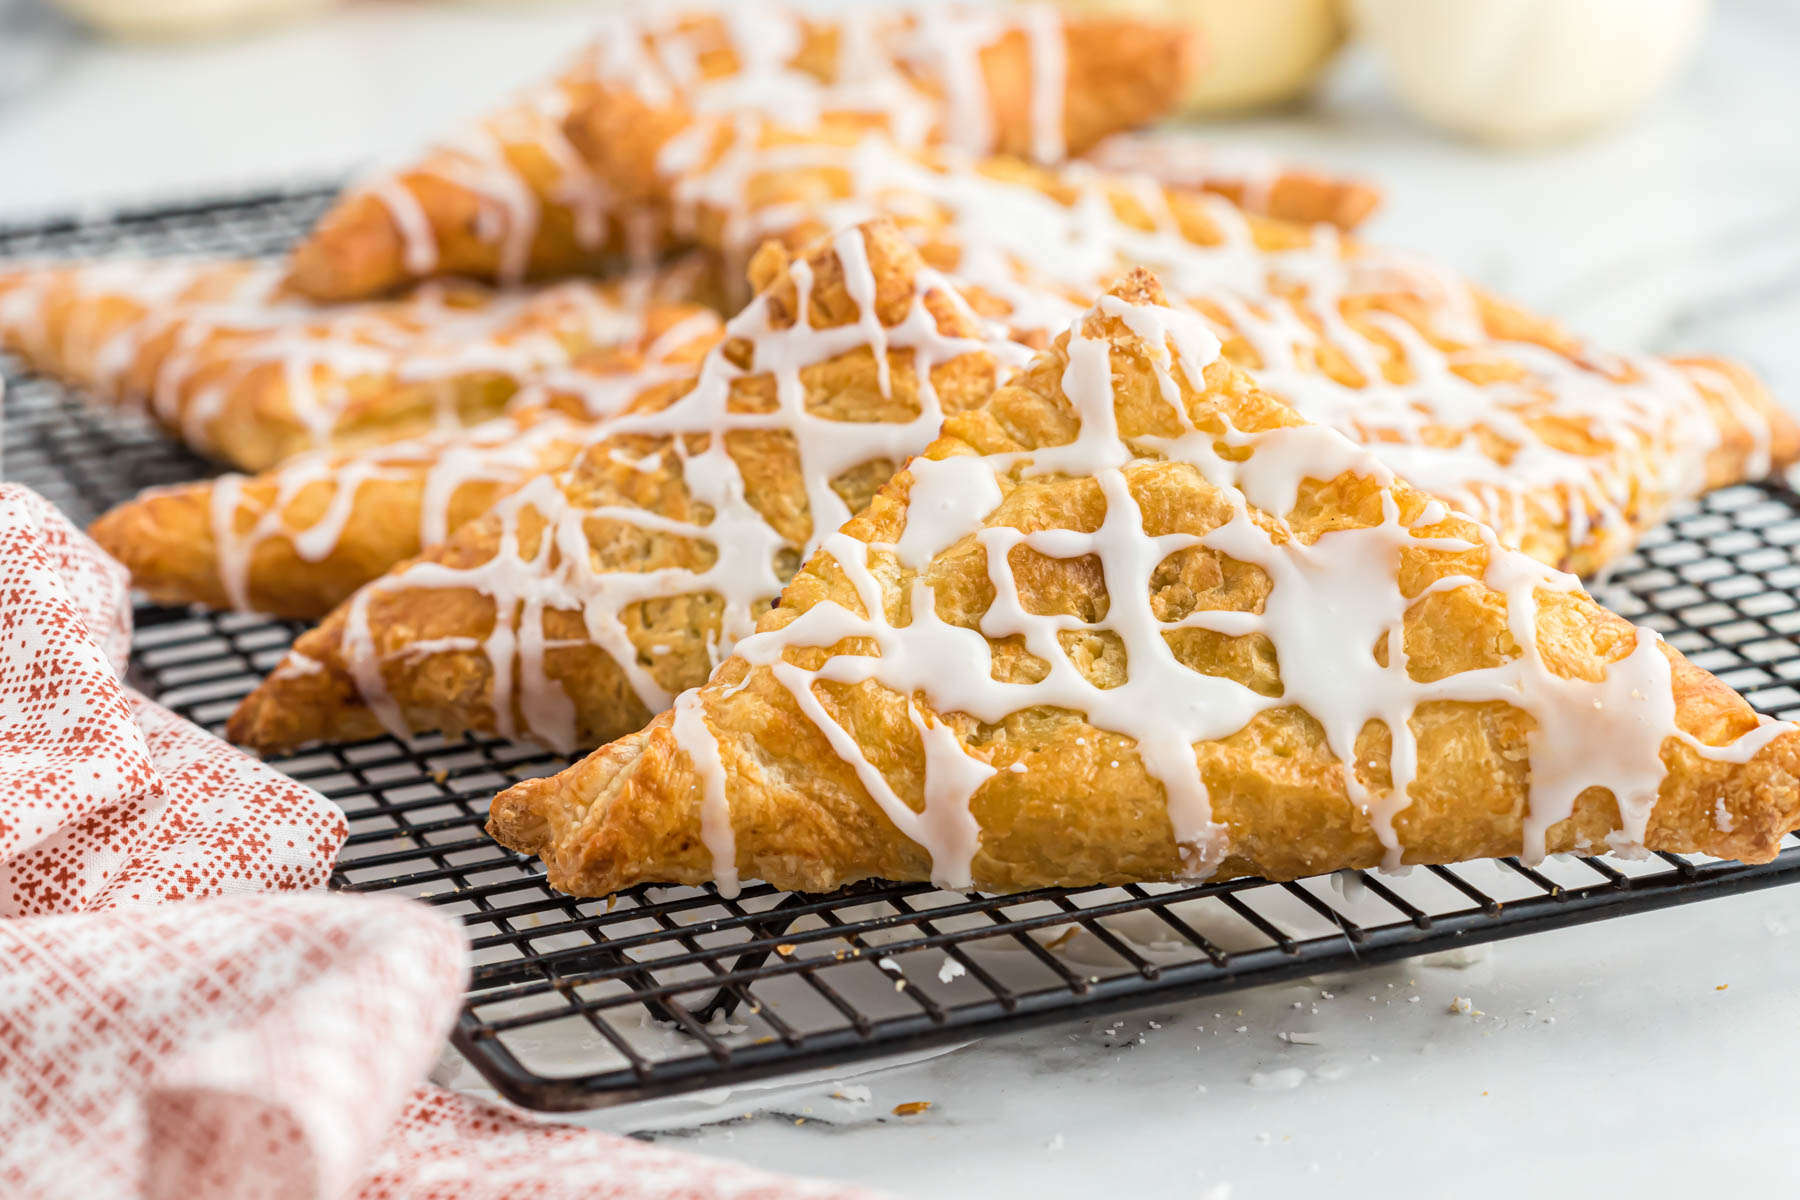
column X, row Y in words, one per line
column 1520, row 71
column 1257, row 52
column 185, row 18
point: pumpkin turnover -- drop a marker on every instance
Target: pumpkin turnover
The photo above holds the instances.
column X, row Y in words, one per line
column 581, row 604
column 1136, row 620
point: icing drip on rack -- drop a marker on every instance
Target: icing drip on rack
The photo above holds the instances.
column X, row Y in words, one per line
column 1497, row 449
column 1329, row 602
column 746, row 572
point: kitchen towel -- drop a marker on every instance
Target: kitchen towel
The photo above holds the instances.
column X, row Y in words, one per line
column 182, row 1012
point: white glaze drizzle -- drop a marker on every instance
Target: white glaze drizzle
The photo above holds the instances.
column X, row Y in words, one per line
column 716, row 832
column 418, row 243
column 1049, row 91
column 561, row 575
column 1483, row 447
column 1327, row 605
column 503, row 452
column 550, row 419
column 222, row 321
column 913, row 68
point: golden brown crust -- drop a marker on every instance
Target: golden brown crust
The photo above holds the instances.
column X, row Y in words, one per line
column 225, row 358
column 297, row 540
column 505, row 202
column 462, row 198
column 359, row 249
column 61, row 319
column 1589, row 515
column 1081, row 808
column 1121, row 72
column 170, row 540
column 1756, row 434
column 355, row 251
column 429, row 642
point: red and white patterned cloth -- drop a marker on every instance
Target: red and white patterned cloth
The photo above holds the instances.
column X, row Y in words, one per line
column 171, row 1027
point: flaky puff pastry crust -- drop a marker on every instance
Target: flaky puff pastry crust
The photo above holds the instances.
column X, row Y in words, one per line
column 618, row 518
column 514, row 197
column 295, row 541
column 507, row 200
column 226, row 357
column 1102, row 75
column 1072, row 803
column 1569, row 450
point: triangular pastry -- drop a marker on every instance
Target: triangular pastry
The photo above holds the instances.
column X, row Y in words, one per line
column 504, row 199
column 583, row 603
column 295, row 540
column 1567, row 449
column 298, row 539
column 242, row 370
column 511, row 198
column 1135, row 620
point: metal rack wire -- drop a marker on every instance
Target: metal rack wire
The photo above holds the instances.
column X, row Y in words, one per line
column 577, row 1003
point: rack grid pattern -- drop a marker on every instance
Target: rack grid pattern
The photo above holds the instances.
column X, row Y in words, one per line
column 580, row 1003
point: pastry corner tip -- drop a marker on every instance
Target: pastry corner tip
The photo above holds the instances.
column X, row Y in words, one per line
column 247, row 727
column 516, row 817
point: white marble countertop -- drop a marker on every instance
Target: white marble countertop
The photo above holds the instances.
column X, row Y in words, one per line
column 1641, row 1057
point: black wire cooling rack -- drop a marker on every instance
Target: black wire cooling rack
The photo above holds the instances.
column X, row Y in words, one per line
column 578, row 1004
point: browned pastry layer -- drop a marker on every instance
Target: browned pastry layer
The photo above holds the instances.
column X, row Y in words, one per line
column 518, row 623
column 512, row 198
column 297, row 540
column 1071, row 801
column 224, row 356
column 1571, row 454
column 365, row 245
column 1117, row 73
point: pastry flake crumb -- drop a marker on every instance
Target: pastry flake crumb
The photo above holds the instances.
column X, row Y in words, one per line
column 911, row 1108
